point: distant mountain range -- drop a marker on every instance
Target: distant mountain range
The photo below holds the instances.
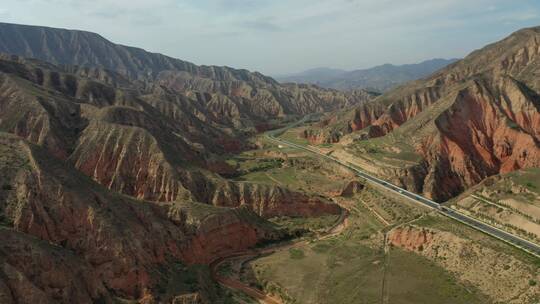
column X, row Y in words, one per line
column 379, row 78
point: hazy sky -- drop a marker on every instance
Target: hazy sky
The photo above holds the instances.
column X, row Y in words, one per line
column 282, row 36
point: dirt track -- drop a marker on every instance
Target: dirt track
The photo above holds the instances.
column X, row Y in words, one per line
column 257, row 294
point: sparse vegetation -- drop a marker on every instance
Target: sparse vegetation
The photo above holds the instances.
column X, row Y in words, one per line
column 439, row 222
column 511, row 124
column 178, row 278
column 389, row 150
column 298, row 172
column 313, row 224
column 329, row 271
column 373, row 150
column 296, row 253
column 225, row 269
column 4, row 221
column 294, row 135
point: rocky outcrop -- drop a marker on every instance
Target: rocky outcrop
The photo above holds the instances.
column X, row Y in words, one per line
column 137, row 145
column 224, row 233
column 412, row 239
column 318, row 137
column 377, row 119
column 91, row 226
column 403, row 110
column 116, row 243
column 498, row 275
column 352, row 188
column 33, row 271
column 480, row 135
column 29, row 116
column 409, row 177
column 127, row 160
column 131, row 161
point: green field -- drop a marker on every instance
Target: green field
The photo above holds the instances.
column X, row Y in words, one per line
column 529, row 178
column 320, row 275
column 351, row 267
column 293, row 135
column 413, row 279
column 389, row 149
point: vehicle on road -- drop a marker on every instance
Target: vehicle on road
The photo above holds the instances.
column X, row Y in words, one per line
column 505, row 236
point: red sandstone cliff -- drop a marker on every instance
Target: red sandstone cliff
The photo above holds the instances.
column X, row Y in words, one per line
column 476, row 118
column 97, row 243
column 112, row 191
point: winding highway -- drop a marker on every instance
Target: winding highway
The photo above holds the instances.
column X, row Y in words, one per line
column 261, row 297
column 514, row 240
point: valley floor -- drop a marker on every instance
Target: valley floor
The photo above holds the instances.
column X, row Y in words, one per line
column 390, row 252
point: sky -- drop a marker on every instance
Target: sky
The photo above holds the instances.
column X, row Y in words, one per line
column 279, row 37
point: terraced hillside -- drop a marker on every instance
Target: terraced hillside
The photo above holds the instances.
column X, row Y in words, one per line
column 510, row 201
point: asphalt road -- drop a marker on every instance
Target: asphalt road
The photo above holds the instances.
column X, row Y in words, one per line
column 507, row 237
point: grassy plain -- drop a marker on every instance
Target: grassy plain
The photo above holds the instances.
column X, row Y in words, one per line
column 351, row 268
